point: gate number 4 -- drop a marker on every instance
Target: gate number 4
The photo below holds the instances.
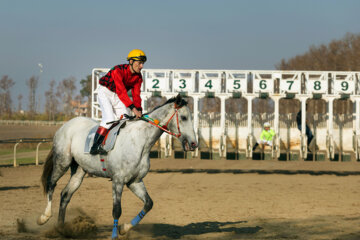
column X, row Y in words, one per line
column 208, row 84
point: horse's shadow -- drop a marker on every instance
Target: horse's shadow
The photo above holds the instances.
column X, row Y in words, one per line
column 6, row 188
column 176, row 232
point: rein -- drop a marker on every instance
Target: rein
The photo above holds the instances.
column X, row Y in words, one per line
column 164, row 127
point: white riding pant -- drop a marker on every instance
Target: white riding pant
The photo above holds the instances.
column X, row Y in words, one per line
column 111, row 106
column 265, row 142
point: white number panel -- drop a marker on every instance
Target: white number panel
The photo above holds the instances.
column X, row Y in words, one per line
column 317, row 82
column 184, row 81
column 263, row 82
column 236, row 81
column 157, row 80
column 290, row 82
column 344, row 83
column 210, row 81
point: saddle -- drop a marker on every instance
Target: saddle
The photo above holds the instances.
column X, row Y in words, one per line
column 109, row 141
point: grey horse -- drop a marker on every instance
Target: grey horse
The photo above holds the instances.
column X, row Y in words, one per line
column 127, row 164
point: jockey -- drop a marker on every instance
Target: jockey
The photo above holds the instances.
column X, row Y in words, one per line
column 266, row 136
column 113, row 97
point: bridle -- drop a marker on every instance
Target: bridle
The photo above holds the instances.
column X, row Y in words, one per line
column 165, row 127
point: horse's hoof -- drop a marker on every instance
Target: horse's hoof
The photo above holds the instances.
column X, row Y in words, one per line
column 43, row 219
column 125, row 228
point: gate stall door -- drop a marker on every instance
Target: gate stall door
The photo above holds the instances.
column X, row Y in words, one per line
column 209, row 131
column 317, row 118
column 236, row 129
column 262, row 111
column 343, row 131
column 290, row 135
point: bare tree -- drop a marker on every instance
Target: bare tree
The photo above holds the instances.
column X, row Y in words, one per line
column 338, row 55
column 20, row 97
column 86, row 91
column 65, row 92
column 51, row 101
column 6, row 84
column 32, row 83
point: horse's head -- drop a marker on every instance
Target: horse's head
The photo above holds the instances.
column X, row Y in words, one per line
column 179, row 123
column 186, row 126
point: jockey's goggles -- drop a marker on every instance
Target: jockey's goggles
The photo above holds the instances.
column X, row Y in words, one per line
column 139, row 58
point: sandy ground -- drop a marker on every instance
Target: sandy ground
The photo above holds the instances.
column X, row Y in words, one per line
column 198, row 199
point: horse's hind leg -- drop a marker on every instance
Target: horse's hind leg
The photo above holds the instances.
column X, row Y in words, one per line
column 138, row 188
column 77, row 176
column 53, row 170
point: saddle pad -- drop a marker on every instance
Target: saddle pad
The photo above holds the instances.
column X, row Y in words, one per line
column 110, row 138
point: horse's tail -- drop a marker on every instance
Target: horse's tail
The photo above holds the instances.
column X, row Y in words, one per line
column 48, row 168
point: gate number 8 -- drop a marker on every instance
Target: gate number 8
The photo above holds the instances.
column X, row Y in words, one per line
column 317, row 85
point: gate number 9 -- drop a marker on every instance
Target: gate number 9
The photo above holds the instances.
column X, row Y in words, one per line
column 344, row 86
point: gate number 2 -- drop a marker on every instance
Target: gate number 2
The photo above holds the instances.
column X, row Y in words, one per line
column 156, row 81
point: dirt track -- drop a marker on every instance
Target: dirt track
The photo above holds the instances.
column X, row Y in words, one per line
column 305, row 201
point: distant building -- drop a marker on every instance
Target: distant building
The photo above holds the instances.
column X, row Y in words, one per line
column 80, row 108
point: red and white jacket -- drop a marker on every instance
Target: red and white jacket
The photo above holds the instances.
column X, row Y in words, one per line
column 120, row 80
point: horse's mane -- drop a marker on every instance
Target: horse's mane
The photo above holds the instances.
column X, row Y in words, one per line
column 180, row 102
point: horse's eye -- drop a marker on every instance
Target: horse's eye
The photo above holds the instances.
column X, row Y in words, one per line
column 183, row 118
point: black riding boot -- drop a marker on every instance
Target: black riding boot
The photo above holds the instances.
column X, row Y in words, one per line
column 98, row 139
column 256, row 144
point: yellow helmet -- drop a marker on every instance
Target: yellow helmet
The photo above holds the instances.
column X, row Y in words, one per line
column 137, row 55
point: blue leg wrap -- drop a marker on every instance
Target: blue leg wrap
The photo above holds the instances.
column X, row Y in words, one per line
column 138, row 218
column 114, row 232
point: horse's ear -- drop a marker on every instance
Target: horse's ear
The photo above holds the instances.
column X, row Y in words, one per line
column 178, row 100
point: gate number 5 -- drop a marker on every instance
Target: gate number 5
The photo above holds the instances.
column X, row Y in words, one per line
column 237, row 84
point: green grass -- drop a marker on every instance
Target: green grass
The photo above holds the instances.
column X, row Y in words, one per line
column 19, row 149
column 20, row 161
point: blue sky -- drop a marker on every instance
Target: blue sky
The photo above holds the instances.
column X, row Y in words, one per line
column 70, row 38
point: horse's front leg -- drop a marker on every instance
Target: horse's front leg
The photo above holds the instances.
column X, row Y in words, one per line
column 117, row 188
column 138, row 188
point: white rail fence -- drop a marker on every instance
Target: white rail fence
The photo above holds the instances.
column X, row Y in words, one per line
column 18, row 141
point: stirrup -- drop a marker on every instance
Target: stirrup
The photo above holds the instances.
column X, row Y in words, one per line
column 98, row 150
column 102, row 151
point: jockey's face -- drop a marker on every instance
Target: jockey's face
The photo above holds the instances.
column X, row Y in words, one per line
column 137, row 66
